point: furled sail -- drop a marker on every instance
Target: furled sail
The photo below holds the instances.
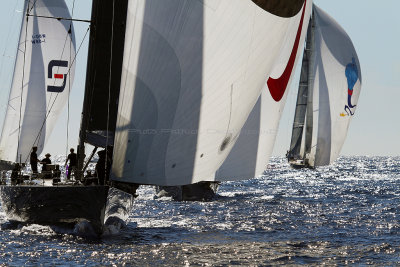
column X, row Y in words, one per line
column 192, row 73
column 43, row 73
column 251, row 152
column 335, row 85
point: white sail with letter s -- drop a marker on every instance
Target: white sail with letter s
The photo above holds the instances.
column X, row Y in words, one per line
column 43, row 74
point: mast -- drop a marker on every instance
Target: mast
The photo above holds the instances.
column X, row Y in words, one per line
column 303, row 103
column 310, row 109
column 103, row 74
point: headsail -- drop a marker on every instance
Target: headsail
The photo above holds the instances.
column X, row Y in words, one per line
column 192, row 73
column 43, row 73
column 334, row 90
column 103, row 72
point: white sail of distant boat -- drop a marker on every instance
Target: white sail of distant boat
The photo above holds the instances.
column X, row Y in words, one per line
column 43, row 74
column 252, row 151
column 192, row 73
column 328, row 94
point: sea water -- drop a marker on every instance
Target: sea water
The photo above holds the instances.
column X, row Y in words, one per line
column 347, row 213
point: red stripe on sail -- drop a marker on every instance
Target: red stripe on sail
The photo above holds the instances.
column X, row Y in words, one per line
column 58, row 76
column 277, row 87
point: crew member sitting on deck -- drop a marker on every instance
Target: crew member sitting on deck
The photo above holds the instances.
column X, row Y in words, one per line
column 73, row 162
column 45, row 162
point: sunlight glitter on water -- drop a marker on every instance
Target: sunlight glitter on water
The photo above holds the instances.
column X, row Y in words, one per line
column 347, row 213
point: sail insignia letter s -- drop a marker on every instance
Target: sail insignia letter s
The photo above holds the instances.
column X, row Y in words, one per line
column 58, row 64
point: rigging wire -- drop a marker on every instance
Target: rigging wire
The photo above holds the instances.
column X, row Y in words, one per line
column 22, row 82
column 60, row 18
column 109, row 86
column 69, row 79
column 34, row 3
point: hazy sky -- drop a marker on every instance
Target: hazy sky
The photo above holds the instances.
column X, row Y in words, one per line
column 374, row 27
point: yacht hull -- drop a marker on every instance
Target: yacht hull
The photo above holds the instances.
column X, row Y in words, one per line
column 202, row 191
column 63, row 205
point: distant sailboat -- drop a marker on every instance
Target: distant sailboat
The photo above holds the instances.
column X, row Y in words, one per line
column 329, row 88
column 43, row 75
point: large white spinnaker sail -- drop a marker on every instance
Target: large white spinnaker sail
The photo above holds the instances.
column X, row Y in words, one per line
column 251, row 153
column 334, row 88
column 42, row 78
column 192, row 73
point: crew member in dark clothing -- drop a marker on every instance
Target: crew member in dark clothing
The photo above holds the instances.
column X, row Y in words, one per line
column 73, row 162
column 45, row 162
column 103, row 171
column 101, row 166
column 34, row 159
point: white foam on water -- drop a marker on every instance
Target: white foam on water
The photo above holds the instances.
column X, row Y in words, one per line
column 34, row 229
column 267, row 197
column 112, row 229
column 84, row 228
column 224, row 226
column 228, row 194
column 154, row 223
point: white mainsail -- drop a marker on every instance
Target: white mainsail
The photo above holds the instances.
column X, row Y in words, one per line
column 43, row 74
column 250, row 154
column 192, row 73
column 335, row 88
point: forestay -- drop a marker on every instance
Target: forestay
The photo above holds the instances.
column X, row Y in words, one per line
column 43, row 73
column 192, row 73
column 336, row 88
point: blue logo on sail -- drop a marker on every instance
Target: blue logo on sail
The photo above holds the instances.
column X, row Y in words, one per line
column 352, row 78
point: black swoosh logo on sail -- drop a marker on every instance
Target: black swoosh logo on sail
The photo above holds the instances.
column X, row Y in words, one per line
column 281, row 8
